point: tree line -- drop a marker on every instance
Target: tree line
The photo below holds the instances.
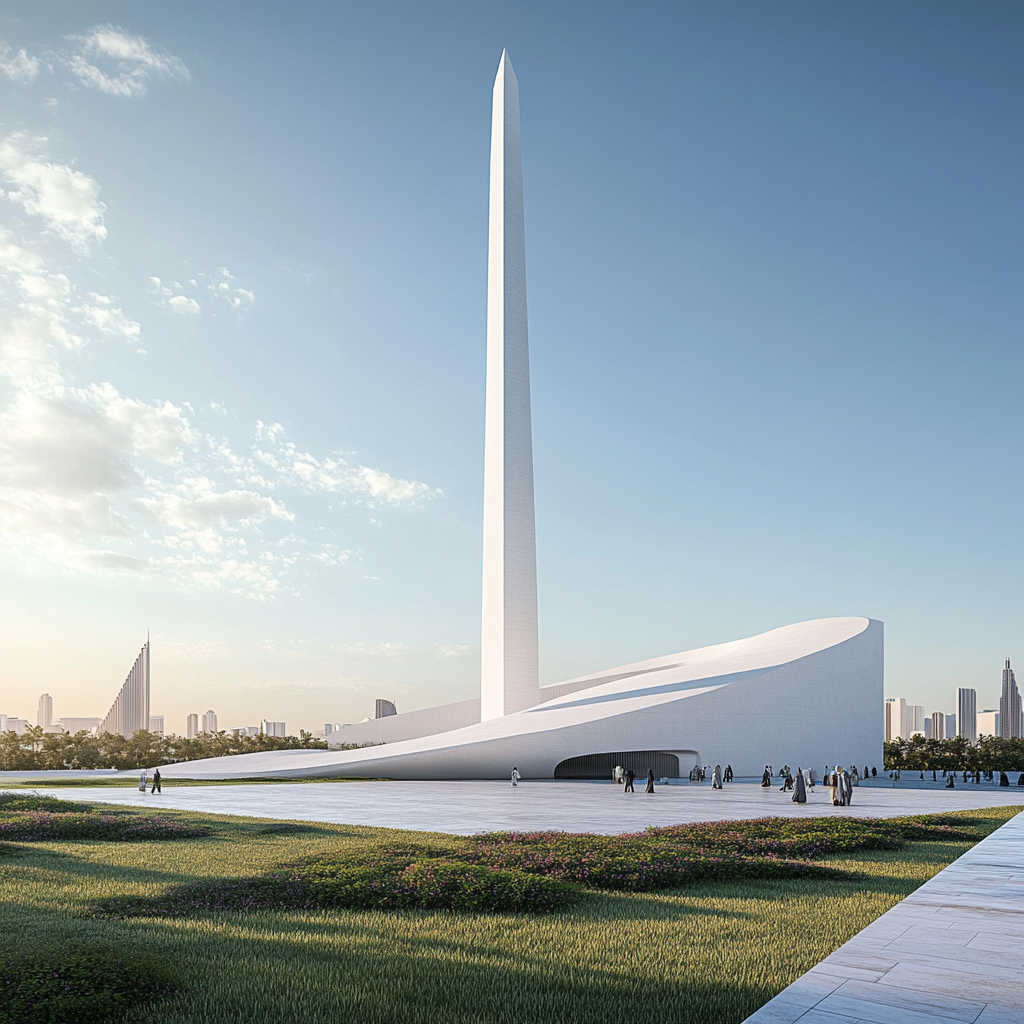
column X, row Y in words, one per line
column 35, row 750
column 958, row 754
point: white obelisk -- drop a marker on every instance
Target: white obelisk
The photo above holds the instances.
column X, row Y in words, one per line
column 509, row 669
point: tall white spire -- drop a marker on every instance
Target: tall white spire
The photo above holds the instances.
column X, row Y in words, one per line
column 509, row 664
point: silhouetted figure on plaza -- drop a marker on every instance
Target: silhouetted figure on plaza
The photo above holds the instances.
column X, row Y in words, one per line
column 716, row 777
column 865, row 771
column 766, row 779
column 629, row 776
column 800, row 792
column 142, row 781
column 874, row 773
column 515, row 776
column 949, row 782
column 156, row 782
column 847, row 786
column 727, row 777
column 650, row 781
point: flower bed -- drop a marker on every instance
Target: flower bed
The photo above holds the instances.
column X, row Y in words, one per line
column 23, row 821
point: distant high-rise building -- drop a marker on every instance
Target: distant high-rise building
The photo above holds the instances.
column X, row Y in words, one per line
column 385, row 709
column 987, row 723
column 918, row 725
column 210, row 722
column 156, row 725
column 44, row 715
column 1009, row 706
column 938, row 725
column 950, row 726
column 891, row 723
column 966, row 713
column 272, row 728
column 191, row 727
column 928, row 728
column 3, row 723
column 895, row 719
column 130, row 710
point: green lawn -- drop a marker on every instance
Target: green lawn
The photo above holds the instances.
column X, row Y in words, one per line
column 712, row 952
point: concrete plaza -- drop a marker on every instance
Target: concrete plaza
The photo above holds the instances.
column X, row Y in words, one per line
column 464, row 808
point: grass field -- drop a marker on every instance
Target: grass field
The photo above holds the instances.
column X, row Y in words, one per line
column 710, row 953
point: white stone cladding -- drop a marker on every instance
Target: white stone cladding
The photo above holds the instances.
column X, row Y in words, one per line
column 509, row 662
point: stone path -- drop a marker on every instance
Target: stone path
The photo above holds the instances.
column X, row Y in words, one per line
column 464, row 808
column 953, row 951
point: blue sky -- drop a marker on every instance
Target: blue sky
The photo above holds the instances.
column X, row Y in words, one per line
column 774, row 267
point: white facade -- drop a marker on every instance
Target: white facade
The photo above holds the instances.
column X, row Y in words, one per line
column 156, row 725
column 210, row 722
column 130, row 710
column 510, row 677
column 268, row 728
column 44, row 713
column 805, row 694
column 966, row 712
column 191, row 727
column 987, row 723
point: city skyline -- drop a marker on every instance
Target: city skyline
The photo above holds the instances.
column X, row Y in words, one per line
column 249, row 412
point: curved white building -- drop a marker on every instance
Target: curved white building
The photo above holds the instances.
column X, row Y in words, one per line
column 807, row 694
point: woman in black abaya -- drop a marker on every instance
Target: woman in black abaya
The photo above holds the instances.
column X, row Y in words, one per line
column 766, row 779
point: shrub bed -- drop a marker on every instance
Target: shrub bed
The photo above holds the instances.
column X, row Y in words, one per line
column 543, row 871
column 77, row 983
column 376, row 878
column 28, row 817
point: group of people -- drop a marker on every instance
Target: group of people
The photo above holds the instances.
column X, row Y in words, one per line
column 626, row 776
column 699, row 774
column 839, row 781
column 143, row 778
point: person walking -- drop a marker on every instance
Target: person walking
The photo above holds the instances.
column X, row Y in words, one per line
column 142, row 781
column 847, row 786
column 156, row 782
column 799, row 792
column 629, row 776
column 716, row 777
column 832, row 781
column 515, row 776
column 810, row 779
column 650, row 781
column 766, row 779
column 728, row 773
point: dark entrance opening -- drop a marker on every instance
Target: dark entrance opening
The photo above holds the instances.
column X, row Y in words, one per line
column 601, row 766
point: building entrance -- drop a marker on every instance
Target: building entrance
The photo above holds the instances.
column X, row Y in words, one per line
column 601, row 766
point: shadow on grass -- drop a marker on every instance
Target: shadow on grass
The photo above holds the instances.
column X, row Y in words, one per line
column 333, row 968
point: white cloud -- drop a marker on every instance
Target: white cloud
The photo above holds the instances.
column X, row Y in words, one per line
column 450, row 652
column 184, row 304
column 335, row 474
column 120, row 64
column 212, row 507
column 66, row 199
column 171, row 299
column 95, row 481
column 18, row 66
column 222, row 286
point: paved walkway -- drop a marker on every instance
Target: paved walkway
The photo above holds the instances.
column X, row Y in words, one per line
column 464, row 808
column 951, row 951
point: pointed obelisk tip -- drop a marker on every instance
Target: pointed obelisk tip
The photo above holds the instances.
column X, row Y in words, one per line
column 505, row 64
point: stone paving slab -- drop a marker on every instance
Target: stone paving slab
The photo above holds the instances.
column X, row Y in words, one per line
column 465, row 808
column 953, row 951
